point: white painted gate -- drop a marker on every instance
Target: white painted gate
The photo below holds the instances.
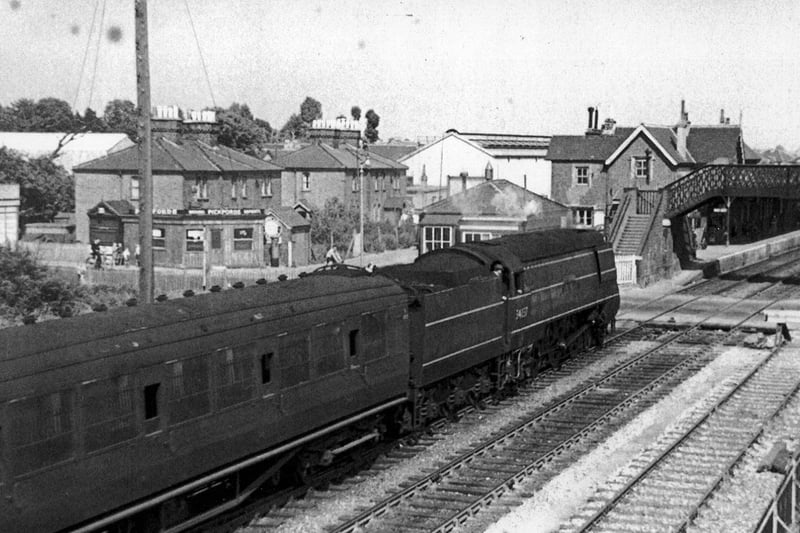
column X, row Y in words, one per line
column 626, row 268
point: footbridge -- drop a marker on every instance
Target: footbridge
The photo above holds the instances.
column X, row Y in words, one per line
column 731, row 181
column 656, row 230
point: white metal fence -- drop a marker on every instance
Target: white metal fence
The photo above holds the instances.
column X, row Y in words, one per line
column 626, row 268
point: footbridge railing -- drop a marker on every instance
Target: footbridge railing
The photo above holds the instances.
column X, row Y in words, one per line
column 776, row 181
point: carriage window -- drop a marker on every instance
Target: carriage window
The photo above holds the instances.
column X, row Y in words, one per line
column 234, row 375
column 108, row 412
column 353, row 342
column 266, row 367
column 327, row 348
column 151, row 401
column 189, row 393
column 374, row 335
column 294, row 359
column 41, row 431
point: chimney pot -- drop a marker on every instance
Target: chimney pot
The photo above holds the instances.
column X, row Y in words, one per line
column 591, row 113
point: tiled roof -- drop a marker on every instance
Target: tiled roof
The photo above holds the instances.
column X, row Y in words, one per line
column 323, row 156
column 586, row 147
column 490, row 198
column 391, row 151
column 117, row 207
column 289, row 216
column 187, row 155
column 708, row 143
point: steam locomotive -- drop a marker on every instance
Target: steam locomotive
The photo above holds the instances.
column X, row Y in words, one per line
column 157, row 416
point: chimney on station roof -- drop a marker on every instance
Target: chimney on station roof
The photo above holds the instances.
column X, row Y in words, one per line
column 594, row 113
column 682, row 131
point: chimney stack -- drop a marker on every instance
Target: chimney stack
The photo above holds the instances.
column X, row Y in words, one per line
column 591, row 114
column 596, row 116
column 200, row 126
column 682, row 131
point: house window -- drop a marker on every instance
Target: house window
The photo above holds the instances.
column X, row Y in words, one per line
column 396, row 183
column 473, row 236
column 306, row 181
column 159, row 240
column 266, row 188
column 243, row 188
column 194, row 240
column 135, row 183
column 375, row 183
column 437, row 237
column 582, row 175
column 201, row 189
column 243, row 239
column 234, row 183
column 583, row 216
column 354, row 185
column 641, row 168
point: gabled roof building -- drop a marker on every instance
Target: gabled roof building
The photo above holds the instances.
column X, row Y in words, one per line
column 334, row 166
column 519, row 159
column 487, row 210
column 591, row 171
column 210, row 202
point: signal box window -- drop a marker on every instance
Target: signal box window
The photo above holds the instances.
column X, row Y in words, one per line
column 306, row 181
column 475, row 237
column 436, row 237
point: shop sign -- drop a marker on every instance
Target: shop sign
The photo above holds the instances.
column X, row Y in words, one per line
column 225, row 211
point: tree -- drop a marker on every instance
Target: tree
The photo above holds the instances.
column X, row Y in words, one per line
column 355, row 112
column 53, row 114
column 371, row 131
column 241, row 131
column 121, row 116
column 310, row 110
column 91, row 122
column 294, row 128
column 45, row 187
column 334, row 223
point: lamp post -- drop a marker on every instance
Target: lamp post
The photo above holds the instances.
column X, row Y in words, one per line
column 361, row 162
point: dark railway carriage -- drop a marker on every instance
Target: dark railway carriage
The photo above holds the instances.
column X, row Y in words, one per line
column 104, row 411
column 492, row 312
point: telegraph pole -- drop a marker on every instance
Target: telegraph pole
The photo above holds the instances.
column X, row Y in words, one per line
column 146, row 275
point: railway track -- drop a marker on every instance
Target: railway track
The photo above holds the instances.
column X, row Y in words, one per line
column 460, row 498
column 459, row 489
column 672, row 486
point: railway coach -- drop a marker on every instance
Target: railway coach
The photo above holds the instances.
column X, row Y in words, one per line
column 151, row 417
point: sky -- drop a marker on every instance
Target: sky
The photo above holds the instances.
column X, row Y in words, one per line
column 525, row 67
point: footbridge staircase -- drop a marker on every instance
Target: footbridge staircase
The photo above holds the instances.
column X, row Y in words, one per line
column 649, row 230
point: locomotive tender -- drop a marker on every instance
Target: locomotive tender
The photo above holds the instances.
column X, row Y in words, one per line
column 155, row 417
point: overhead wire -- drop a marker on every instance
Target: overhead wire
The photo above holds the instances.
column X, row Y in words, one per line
column 97, row 53
column 85, row 56
column 200, row 51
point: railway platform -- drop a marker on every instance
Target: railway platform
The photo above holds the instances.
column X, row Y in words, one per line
column 658, row 302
